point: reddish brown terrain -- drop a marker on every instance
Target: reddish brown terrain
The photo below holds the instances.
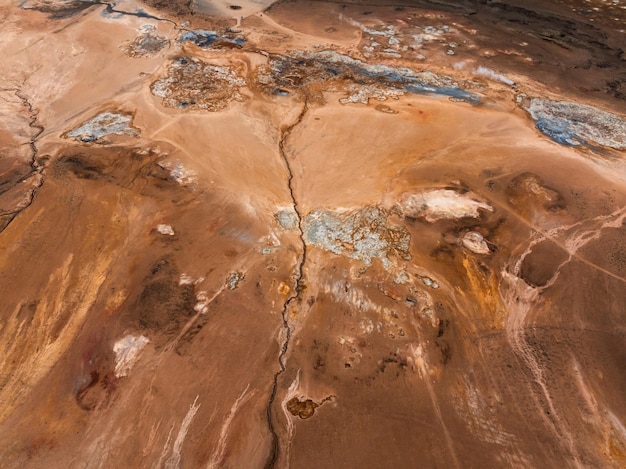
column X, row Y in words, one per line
column 313, row 234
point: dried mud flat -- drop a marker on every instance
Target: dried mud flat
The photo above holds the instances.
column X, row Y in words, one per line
column 323, row 234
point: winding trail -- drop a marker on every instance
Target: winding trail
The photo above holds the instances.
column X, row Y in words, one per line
column 298, row 284
column 520, row 298
column 566, row 245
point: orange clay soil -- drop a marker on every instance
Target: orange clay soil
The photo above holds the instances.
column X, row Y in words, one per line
column 322, row 234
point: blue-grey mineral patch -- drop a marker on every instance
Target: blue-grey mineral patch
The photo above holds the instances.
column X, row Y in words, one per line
column 206, row 39
column 147, row 45
column 305, row 67
column 105, row 123
column 575, row 124
column 363, row 234
column 287, row 219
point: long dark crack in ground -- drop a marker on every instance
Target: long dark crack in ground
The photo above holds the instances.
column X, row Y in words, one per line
column 298, row 283
column 36, row 168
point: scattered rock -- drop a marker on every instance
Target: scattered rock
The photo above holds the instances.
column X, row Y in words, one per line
column 185, row 280
column 475, row 242
column 429, row 282
column 233, row 280
column 202, row 306
column 165, row 230
column 401, row 278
